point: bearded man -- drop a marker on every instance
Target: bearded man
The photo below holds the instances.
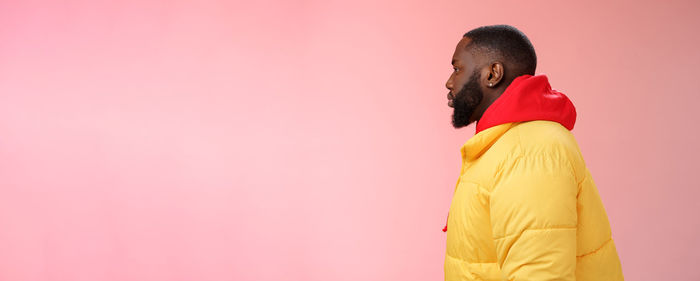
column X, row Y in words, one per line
column 525, row 206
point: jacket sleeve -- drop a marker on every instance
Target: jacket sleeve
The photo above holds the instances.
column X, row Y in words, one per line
column 533, row 217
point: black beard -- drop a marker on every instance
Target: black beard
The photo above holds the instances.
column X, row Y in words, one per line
column 466, row 101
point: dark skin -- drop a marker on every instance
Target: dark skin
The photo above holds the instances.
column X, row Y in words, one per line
column 465, row 61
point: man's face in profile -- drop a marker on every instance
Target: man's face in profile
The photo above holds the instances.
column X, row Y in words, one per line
column 465, row 92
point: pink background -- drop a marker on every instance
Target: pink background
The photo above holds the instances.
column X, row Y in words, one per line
column 311, row 140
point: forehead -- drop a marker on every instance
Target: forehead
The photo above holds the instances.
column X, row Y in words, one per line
column 461, row 53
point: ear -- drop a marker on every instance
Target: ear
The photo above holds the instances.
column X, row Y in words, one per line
column 493, row 74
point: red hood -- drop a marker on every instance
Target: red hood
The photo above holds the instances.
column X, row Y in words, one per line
column 529, row 98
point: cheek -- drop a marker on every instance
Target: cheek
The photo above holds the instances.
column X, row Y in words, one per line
column 459, row 83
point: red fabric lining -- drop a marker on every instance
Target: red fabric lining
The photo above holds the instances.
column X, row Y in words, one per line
column 529, row 98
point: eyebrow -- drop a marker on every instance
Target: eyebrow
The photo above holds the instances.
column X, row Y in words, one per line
column 453, row 61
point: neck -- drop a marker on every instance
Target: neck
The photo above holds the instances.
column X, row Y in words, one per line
column 489, row 98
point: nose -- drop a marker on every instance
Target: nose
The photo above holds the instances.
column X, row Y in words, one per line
column 450, row 84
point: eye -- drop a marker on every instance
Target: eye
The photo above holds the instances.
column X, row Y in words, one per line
column 456, row 69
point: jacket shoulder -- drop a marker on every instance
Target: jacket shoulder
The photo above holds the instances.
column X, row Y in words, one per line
column 548, row 139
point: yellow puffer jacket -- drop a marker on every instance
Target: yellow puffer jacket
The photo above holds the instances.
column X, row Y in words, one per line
column 525, row 206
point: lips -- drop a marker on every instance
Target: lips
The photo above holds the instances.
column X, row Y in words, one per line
column 450, row 99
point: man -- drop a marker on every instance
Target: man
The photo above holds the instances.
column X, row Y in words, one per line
column 525, row 206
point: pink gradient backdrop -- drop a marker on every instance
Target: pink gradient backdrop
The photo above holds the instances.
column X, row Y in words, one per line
column 310, row 140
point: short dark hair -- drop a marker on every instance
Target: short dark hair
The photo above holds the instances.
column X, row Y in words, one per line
column 507, row 43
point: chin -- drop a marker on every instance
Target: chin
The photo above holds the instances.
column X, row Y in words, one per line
column 461, row 123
